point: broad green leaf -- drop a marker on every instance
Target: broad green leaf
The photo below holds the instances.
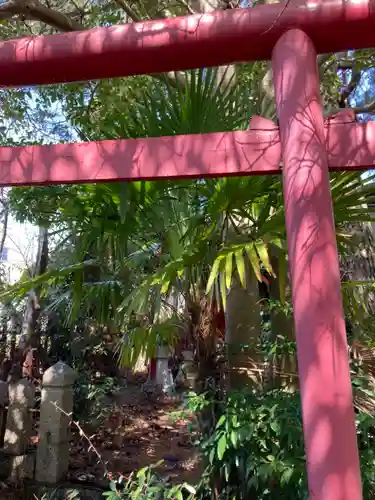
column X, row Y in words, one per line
column 223, row 290
column 221, row 421
column 190, row 488
column 213, row 274
column 216, row 294
column 241, row 267
column 275, row 426
column 234, row 438
column 165, row 284
column 286, row 476
column 264, row 256
column 221, row 446
column 226, row 470
column 228, row 269
column 212, row 456
column 254, row 260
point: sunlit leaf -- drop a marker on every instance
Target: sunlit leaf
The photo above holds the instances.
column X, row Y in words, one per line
column 228, row 269
column 221, row 446
column 241, row 266
column 254, row 260
column 264, row 256
column 213, row 274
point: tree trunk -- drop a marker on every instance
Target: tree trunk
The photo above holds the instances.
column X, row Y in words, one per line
column 32, row 311
column 5, row 216
column 360, row 265
column 283, row 369
column 29, row 344
column 242, row 316
column 242, row 330
column 225, row 74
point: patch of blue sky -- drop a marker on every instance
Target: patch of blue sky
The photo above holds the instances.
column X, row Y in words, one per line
column 364, row 93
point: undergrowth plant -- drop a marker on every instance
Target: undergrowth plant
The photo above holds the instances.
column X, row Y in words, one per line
column 255, row 450
column 146, row 484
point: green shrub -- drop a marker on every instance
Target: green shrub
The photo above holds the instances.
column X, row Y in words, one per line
column 91, row 397
column 256, row 451
column 146, row 484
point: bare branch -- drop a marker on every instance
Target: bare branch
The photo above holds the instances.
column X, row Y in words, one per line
column 352, row 85
column 172, row 78
column 286, row 5
column 355, row 78
column 358, row 110
column 366, row 108
column 129, row 11
column 83, row 435
column 187, row 6
column 33, row 9
column 5, row 229
column 323, row 58
column 345, row 64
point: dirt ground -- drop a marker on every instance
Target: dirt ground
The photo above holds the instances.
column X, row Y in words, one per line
column 138, row 432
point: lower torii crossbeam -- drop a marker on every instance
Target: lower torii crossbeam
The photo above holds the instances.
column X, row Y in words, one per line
column 302, row 149
column 350, row 145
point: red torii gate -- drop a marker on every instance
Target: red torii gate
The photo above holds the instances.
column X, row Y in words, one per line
column 290, row 35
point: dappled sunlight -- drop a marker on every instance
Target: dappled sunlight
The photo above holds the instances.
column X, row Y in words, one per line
column 310, row 146
column 204, row 40
column 351, row 145
column 146, row 432
column 209, row 155
column 328, row 416
column 255, row 151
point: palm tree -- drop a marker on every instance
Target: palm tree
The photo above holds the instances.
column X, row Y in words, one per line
column 151, row 241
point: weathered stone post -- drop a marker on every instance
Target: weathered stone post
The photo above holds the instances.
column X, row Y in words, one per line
column 163, row 376
column 159, row 375
column 4, row 400
column 52, row 458
column 190, row 369
column 18, row 430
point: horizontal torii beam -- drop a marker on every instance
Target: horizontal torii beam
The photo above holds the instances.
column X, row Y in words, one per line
column 350, row 146
column 180, row 43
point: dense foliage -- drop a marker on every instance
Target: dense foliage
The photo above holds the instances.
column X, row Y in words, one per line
column 122, row 268
column 255, row 452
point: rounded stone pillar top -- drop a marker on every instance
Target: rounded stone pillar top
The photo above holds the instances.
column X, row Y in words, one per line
column 188, row 355
column 59, row 375
column 163, row 352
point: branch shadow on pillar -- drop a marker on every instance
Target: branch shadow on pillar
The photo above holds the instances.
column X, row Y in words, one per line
column 328, row 415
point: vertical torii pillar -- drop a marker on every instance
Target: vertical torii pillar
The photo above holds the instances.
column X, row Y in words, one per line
column 328, row 416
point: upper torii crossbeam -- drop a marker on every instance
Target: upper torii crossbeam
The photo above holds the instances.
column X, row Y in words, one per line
column 305, row 145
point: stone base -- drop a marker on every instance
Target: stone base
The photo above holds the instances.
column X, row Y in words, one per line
column 20, row 467
column 52, row 462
